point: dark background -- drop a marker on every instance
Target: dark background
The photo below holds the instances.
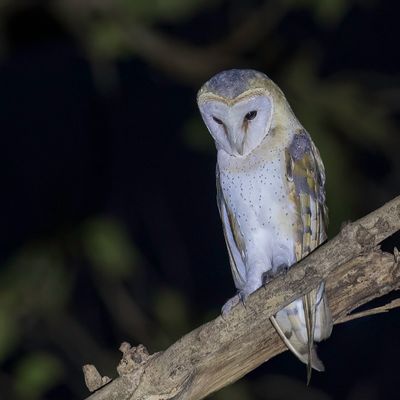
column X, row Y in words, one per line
column 110, row 229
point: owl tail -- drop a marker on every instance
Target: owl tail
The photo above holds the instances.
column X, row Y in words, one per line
column 301, row 323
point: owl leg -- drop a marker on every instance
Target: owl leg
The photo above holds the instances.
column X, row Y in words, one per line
column 248, row 289
column 254, row 280
column 255, row 275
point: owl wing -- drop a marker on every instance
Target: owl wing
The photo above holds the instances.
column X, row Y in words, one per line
column 308, row 318
column 306, row 175
column 233, row 238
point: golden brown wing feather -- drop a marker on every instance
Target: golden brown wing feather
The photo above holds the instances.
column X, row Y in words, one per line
column 306, row 177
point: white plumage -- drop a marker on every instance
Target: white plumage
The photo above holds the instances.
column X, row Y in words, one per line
column 253, row 190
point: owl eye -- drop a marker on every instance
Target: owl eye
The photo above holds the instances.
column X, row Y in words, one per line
column 217, row 120
column 250, row 115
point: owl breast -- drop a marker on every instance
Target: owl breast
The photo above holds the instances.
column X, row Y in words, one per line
column 256, row 192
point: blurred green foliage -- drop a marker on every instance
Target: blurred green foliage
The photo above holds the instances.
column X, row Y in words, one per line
column 108, row 248
column 37, row 284
column 27, row 283
column 175, row 322
column 35, row 374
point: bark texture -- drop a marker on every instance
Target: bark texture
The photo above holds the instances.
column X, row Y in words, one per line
column 223, row 350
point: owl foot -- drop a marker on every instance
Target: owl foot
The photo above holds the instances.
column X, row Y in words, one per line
column 241, row 297
column 267, row 276
column 227, row 307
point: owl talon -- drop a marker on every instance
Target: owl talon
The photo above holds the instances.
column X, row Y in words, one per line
column 282, row 269
column 227, row 307
column 243, row 296
column 269, row 275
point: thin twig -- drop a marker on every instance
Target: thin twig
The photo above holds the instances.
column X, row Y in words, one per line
column 372, row 311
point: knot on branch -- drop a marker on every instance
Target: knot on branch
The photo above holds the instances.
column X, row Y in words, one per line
column 381, row 225
column 93, row 379
column 364, row 238
column 132, row 358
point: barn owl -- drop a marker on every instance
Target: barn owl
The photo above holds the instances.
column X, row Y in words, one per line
column 271, row 197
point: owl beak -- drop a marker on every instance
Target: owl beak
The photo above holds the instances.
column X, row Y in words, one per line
column 237, row 142
column 234, row 134
column 239, row 148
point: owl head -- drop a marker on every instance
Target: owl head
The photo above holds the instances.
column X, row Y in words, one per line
column 237, row 107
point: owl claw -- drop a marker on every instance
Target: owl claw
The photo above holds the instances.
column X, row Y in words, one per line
column 269, row 275
column 282, row 269
column 227, row 307
column 243, row 296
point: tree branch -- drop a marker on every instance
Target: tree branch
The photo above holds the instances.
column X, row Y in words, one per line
column 186, row 62
column 371, row 311
column 194, row 64
column 223, row 350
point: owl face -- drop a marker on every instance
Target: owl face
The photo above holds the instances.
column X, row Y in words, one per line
column 237, row 116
